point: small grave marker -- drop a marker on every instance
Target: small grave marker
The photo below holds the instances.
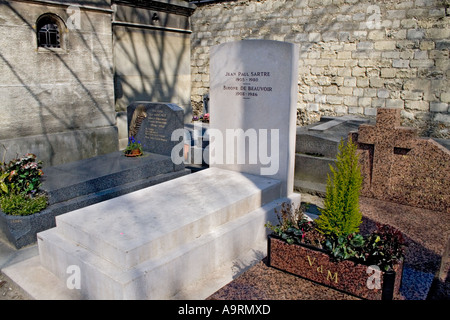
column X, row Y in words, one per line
column 153, row 124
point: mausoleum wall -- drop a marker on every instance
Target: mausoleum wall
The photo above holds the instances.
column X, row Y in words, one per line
column 57, row 101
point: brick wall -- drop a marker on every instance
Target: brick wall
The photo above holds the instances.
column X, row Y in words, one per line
column 355, row 55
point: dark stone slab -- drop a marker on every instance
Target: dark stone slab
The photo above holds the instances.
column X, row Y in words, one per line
column 323, row 138
column 153, row 124
column 82, row 183
column 70, row 180
column 311, row 144
column 316, row 148
column 415, row 284
column 314, row 169
column 196, row 144
column 198, row 134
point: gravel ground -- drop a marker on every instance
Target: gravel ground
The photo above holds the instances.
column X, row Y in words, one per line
column 9, row 291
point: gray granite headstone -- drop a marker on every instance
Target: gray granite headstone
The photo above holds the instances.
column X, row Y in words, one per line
column 153, row 124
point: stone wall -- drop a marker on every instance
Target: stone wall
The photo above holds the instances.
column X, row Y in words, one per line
column 151, row 56
column 57, row 103
column 355, row 55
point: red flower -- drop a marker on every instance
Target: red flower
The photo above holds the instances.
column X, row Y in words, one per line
column 12, row 174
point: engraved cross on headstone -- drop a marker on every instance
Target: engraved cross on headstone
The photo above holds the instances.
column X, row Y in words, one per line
column 384, row 140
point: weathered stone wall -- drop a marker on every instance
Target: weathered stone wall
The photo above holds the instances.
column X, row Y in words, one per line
column 355, row 55
column 57, row 103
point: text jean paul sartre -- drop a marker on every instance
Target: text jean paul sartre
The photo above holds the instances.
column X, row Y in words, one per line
column 246, row 84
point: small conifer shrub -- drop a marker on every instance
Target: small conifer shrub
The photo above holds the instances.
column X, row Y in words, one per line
column 341, row 215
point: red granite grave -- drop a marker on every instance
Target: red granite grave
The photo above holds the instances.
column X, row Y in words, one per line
column 399, row 166
column 347, row 276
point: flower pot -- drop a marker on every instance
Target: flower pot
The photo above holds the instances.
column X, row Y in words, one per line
column 134, row 153
column 314, row 264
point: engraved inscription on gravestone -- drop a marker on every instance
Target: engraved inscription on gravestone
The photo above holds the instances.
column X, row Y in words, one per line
column 157, row 124
column 248, row 84
column 153, row 123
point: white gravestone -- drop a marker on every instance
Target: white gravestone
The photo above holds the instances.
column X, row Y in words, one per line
column 253, row 96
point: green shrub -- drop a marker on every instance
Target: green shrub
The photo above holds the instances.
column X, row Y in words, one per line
column 22, row 205
column 341, row 215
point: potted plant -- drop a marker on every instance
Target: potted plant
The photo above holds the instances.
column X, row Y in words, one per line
column 330, row 250
column 23, row 205
column 20, row 180
column 134, row 148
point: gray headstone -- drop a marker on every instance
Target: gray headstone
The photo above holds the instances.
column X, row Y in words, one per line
column 322, row 138
column 153, row 124
column 253, row 104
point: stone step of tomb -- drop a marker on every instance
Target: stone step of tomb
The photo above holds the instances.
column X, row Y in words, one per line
column 147, row 237
column 172, row 273
column 142, row 225
column 94, row 175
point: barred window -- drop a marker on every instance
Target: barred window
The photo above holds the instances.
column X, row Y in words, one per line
column 48, row 33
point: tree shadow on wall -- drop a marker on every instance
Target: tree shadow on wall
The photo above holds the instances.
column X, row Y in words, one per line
column 59, row 72
column 82, row 75
column 151, row 57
